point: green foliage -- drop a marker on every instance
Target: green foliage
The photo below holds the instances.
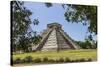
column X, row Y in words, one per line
column 17, row 61
column 45, row 59
column 37, row 60
column 84, row 14
column 24, row 43
column 89, row 60
column 87, row 44
column 48, row 4
column 60, row 60
column 82, row 60
column 36, row 39
column 67, row 59
column 20, row 18
column 54, row 57
column 36, row 21
column 52, row 61
column 21, row 26
column 28, row 59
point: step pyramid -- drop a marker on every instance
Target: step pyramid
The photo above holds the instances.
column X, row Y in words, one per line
column 54, row 38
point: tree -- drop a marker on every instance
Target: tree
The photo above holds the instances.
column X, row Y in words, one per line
column 48, row 4
column 87, row 44
column 84, row 14
column 36, row 39
column 20, row 18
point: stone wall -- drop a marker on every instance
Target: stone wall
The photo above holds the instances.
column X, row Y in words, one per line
column 51, row 42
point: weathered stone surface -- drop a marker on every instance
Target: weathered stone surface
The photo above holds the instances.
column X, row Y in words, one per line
column 51, row 41
column 54, row 38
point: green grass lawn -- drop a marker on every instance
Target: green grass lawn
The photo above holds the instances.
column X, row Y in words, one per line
column 72, row 54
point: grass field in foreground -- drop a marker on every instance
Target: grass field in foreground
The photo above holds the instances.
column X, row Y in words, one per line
column 72, row 54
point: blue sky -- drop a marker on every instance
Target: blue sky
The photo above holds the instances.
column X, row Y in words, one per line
column 55, row 14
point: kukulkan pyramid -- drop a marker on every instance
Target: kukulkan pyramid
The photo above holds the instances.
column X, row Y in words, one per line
column 54, row 38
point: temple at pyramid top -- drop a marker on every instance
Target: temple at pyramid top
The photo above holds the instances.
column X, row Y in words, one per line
column 54, row 38
column 54, row 25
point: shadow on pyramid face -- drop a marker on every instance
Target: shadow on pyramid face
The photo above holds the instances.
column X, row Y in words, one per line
column 56, row 39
